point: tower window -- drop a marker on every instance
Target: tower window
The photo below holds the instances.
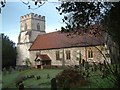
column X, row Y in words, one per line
column 25, row 26
column 68, row 54
column 90, row 53
column 38, row 26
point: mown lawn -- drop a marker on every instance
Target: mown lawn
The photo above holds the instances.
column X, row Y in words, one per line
column 9, row 79
column 95, row 79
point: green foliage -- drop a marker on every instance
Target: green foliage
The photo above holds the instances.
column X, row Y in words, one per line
column 27, row 62
column 112, row 22
column 79, row 15
column 2, row 5
column 8, row 52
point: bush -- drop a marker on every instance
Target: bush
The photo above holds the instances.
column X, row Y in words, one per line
column 74, row 77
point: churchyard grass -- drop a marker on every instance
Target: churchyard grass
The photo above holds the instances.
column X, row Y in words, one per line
column 41, row 78
column 44, row 81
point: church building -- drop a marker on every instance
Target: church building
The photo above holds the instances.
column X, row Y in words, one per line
column 56, row 48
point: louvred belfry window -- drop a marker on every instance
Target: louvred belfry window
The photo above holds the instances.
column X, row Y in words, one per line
column 38, row 26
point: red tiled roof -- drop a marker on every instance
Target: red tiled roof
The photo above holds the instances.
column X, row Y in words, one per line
column 56, row 40
column 44, row 57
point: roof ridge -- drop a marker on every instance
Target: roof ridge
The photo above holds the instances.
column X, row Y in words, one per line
column 48, row 33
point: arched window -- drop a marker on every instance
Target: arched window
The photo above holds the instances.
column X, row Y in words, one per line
column 68, row 56
column 90, row 53
column 25, row 26
column 38, row 26
column 79, row 56
column 57, row 55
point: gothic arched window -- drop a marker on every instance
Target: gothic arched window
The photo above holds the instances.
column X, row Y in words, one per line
column 68, row 56
column 38, row 26
column 90, row 53
column 25, row 26
column 79, row 56
column 57, row 55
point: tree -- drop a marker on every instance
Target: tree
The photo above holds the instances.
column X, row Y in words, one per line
column 79, row 16
column 37, row 4
column 111, row 24
column 2, row 4
column 8, row 52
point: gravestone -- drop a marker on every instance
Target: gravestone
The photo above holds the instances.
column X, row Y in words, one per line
column 21, row 86
column 66, row 85
column 4, row 71
column 48, row 76
column 53, row 84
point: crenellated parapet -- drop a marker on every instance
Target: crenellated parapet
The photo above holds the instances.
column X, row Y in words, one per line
column 32, row 16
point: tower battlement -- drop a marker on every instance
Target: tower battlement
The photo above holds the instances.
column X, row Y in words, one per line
column 33, row 16
column 31, row 25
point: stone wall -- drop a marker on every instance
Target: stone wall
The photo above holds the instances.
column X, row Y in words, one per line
column 97, row 56
column 22, row 53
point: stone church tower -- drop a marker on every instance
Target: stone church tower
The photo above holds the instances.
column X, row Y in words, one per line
column 31, row 25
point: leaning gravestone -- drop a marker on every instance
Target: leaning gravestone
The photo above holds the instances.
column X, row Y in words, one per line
column 21, row 86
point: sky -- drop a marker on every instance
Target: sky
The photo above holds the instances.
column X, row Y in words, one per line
column 10, row 17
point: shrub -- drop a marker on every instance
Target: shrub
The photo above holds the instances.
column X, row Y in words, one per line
column 86, row 64
column 74, row 77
